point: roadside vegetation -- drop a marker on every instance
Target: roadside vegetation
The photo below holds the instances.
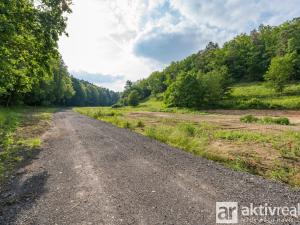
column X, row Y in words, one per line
column 20, row 135
column 259, row 149
column 265, row 120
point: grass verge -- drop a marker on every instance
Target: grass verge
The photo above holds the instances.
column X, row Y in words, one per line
column 20, row 132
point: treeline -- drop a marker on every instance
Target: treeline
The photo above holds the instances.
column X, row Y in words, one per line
column 32, row 71
column 87, row 94
column 270, row 53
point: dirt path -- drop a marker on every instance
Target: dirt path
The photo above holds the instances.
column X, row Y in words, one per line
column 90, row 172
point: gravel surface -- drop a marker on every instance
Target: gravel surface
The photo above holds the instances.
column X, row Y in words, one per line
column 90, row 172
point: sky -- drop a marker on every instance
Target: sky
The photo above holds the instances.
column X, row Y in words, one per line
column 111, row 41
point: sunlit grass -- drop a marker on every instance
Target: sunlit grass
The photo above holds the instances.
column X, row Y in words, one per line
column 19, row 134
column 259, row 96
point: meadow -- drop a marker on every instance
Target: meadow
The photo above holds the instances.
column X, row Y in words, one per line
column 262, row 142
column 260, row 96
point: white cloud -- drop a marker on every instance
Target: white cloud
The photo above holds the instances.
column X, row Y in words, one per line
column 135, row 37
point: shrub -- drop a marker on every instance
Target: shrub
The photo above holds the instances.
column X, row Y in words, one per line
column 140, row 124
column 280, row 120
column 265, row 120
column 249, row 119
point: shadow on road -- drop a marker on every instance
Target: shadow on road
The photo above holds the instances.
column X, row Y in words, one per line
column 21, row 191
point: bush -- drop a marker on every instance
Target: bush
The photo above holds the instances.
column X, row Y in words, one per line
column 249, row 119
column 280, row 120
column 265, row 120
column 140, row 124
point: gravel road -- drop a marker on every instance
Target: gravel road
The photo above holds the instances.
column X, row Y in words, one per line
column 90, row 172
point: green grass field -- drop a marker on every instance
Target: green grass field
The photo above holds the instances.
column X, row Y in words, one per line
column 258, row 96
column 258, row 148
column 20, row 130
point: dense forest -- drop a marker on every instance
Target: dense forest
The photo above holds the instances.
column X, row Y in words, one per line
column 269, row 53
column 32, row 71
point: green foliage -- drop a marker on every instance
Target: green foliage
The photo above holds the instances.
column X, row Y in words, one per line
column 248, row 119
column 156, row 83
column 133, row 98
column 28, row 42
column 31, row 68
column 253, row 103
column 265, row 120
column 140, row 124
column 215, row 85
column 245, row 58
column 186, row 91
column 87, row 94
column 194, row 90
column 280, row 120
column 280, row 71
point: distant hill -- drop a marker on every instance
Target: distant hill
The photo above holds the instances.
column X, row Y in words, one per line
column 204, row 79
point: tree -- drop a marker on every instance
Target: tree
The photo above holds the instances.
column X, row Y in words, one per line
column 208, row 59
column 215, row 85
column 29, row 33
column 186, row 91
column 156, row 83
column 280, row 71
column 133, row 98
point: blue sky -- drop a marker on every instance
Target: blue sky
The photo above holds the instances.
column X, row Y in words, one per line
column 111, row 41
